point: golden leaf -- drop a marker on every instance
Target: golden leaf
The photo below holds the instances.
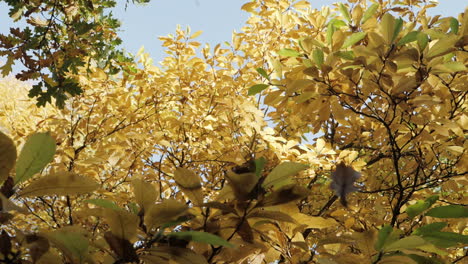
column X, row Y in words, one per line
column 62, row 183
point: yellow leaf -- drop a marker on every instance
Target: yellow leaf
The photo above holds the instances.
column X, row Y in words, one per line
column 145, row 193
column 190, row 184
column 196, row 34
column 7, row 156
column 349, row 222
column 397, row 260
column 164, row 212
column 123, row 224
column 62, row 183
column 315, row 221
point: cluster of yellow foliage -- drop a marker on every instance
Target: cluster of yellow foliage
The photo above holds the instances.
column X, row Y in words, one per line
column 181, row 164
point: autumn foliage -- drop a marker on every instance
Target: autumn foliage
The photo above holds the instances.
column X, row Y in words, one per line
column 242, row 152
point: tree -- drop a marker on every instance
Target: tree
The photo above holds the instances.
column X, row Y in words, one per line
column 61, row 36
column 209, row 159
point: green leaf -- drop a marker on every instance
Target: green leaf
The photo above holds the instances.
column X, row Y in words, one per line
column 201, row 237
column 410, row 37
column 424, row 260
column 384, row 232
column 289, row 53
column 449, row 211
column 406, row 243
column 38, row 150
column 317, row 56
column 281, row 174
column 445, row 239
column 259, row 165
column 429, row 228
column 454, row 25
column 263, row 73
column 344, row 11
column 347, row 55
column 353, row 39
column 331, row 28
column 422, row 39
column 369, row 13
column 398, row 26
column 104, row 203
column 257, row 88
column 421, row 206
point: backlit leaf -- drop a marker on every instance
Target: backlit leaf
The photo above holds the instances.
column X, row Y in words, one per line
column 103, row 203
column 38, row 150
column 62, row 183
column 369, row 12
column 263, row 73
column 281, row 174
column 449, row 211
column 410, row 37
column 166, row 211
column 353, row 39
column 409, row 242
column 7, row 156
column 257, row 88
column 190, row 184
column 384, row 232
column 122, row 224
column 201, row 237
column 145, row 193
column 289, row 53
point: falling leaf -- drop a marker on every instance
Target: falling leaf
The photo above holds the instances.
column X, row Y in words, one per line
column 343, row 179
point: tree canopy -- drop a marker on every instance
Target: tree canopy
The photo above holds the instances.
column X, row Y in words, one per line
column 332, row 135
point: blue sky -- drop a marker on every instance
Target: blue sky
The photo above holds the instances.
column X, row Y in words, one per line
column 142, row 24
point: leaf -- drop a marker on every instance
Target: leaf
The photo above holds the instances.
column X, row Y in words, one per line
column 422, row 39
column 409, row 242
column 190, row 184
column 163, row 255
column 344, row 11
column 281, row 174
column 145, row 193
column 449, row 211
column 274, row 215
column 410, row 37
column 257, row 88
column 397, row 29
column 62, row 183
column 284, row 194
column 196, row 34
column 343, row 179
column 289, row 53
column 353, row 39
column 259, row 165
column 166, row 211
column 454, row 25
column 445, row 239
column 7, row 156
column 242, row 184
column 421, row 206
column 122, row 224
column 387, row 27
column 396, row 260
column 317, row 56
column 429, row 228
column 369, row 13
column 315, row 221
column 71, row 241
column 384, row 232
column 263, row 73
column 442, row 46
column 103, row 203
column 122, row 247
column 38, row 150
column 201, row 237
